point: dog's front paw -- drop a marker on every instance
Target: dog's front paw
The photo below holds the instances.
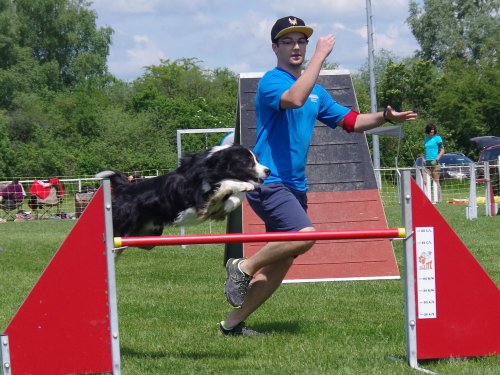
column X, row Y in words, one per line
column 233, row 186
column 247, row 186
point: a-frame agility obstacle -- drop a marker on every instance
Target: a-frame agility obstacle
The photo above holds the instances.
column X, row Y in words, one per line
column 68, row 324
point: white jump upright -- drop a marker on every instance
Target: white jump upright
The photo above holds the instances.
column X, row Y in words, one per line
column 490, row 205
column 471, row 209
column 409, row 278
column 430, row 187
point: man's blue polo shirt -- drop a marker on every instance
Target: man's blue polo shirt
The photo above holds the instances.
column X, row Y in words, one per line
column 284, row 135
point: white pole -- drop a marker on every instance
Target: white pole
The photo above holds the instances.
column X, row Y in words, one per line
column 110, row 264
column 471, row 210
column 428, row 186
column 373, row 90
column 410, row 277
column 410, row 307
column 487, row 189
column 435, row 192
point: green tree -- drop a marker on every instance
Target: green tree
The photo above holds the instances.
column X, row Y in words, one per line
column 421, row 93
column 466, row 103
column 393, row 77
column 459, row 42
column 8, row 33
column 181, row 95
column 463, row 29
column 64, row 32
column 7, row 157
column 393, row 86
column 410, row 84
column 361, row 79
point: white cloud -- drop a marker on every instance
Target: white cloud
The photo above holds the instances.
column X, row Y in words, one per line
column 362, row 32
column 125, row 6
column 172, row 7
column 236, row 34
column 140, row 52
column 339, row 26
column 308, row 10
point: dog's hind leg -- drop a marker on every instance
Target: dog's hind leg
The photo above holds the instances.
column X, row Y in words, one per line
column 187, row 217
column 233, row 202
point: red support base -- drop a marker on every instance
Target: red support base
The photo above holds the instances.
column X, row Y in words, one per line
column 467, row 300
column 63, row 327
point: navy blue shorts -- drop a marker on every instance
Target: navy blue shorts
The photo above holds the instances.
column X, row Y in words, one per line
column 281, row 208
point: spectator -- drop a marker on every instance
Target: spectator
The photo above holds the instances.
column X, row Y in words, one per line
column 135, row 177
column 434, row 150
column 12, row 194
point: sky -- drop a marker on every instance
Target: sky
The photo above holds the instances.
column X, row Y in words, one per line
column 235, row 34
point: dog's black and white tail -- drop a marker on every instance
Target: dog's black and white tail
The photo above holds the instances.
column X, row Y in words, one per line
column 117, row 178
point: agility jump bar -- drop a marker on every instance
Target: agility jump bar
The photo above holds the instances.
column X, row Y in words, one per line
column 259, row 237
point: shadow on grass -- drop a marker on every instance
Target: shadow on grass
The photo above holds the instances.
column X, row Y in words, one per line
column 288, row 327
column 291, row 327
column 192, row 355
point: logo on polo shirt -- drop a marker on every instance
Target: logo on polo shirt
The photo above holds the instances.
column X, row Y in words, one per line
column 313, row 98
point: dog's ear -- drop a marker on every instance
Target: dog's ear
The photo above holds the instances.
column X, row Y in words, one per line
column 183, row 163
column 215, row 159
column 187, row 162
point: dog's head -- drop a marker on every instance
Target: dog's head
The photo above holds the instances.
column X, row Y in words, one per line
column 236, row 162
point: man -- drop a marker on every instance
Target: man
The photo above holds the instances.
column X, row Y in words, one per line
column 288, row 103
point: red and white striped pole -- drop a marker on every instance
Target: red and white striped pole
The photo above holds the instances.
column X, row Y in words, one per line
column 259, row 237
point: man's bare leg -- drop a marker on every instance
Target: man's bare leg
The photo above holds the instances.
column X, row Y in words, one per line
column 271, row 264
column 275, row 251
column 263, row 285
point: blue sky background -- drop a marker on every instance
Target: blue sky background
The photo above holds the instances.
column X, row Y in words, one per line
column 236, row 34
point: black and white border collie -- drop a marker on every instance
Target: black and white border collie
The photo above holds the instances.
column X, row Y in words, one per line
column 206, row 185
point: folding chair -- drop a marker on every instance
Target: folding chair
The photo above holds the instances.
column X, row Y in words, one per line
column 46, row 197
column 10, row 208
column 82, row 199
column 11, row 199
column 43, row 207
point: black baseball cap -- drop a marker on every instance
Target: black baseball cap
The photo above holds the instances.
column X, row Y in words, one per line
column 288, row 25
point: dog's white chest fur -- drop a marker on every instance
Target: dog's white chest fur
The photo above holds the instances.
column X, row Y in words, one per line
column 226, row 198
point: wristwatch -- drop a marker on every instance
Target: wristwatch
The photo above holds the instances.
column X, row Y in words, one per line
column 385, row 117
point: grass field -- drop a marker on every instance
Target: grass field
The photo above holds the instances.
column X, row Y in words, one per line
column 170, row 300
